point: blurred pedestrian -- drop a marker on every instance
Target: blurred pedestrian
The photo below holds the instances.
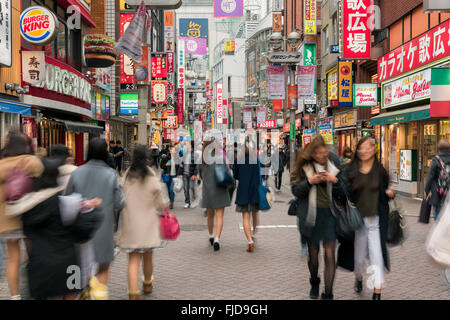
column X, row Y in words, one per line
column 53, row 252
column 118, row 156
column 438, row 179
column 111, row 151
column 62, row 154
column 96, row 180
column 368, row 188
column 282, row 159
column 347, row 156
column 154, row 156
column 190, row 172
column 214, row 198
column 247, row 197
column 315, row 182
column 167, row 177
column 139, row 225
column 17, row 154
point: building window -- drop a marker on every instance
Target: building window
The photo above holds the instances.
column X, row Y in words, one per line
column 325, row 41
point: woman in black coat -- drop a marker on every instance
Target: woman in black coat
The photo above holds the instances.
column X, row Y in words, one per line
column 53, row 263
column 368, row 188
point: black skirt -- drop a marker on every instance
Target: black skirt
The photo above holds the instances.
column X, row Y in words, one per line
column 324, row 228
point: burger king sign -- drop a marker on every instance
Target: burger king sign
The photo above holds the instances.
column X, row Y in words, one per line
column 38, row 25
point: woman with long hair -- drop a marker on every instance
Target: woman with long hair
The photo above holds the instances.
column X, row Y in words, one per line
column 138, row 232
column 214, row 197
column 18, row 153
column 316, row 181
column 368, row 187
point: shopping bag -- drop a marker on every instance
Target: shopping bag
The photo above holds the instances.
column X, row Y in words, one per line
column 438, row 240
column 170, row 229
column 425, row 211
column 177, row 184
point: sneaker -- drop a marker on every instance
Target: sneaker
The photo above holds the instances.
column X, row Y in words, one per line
column 216, row 246
column 18, row 297
column 187, row 205
column 211, row 240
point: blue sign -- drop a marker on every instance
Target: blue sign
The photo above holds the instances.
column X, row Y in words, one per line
column 194, row 28
column 335, row 48
column 14, row 107
column 308, row 132
column 129, row 103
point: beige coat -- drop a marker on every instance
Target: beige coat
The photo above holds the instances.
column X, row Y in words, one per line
column 34, row 168
column 139, row 221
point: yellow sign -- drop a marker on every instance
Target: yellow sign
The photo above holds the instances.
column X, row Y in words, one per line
column 156, row 137
column 277, row 25
column 332, row 85
column 345, row 83
column 193, row 30
column 310, row 14
column 344, row 120
column 124, row 6
column 229, row 46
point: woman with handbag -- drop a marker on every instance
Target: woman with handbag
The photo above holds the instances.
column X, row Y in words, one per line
column 247, row 197
column 139, row 232
column 368, row 188
column 215, row 197
column 18, row 153
column 315, row 181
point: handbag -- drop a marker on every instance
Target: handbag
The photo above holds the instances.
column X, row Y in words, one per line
column 165, row 178
column 396, row 227
column 293, row 206
column 348, row 218
column 425, row 211
column 177, row 184
column 438, row 240
column 170, row 229
column 264, row 194
column 17, row 185
column 223, row 176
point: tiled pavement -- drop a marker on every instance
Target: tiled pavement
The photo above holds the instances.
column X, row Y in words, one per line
column 189, row 268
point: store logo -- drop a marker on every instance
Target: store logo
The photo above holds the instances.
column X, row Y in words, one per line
column 38, row 25
column 191, row 45
column 345, row 70
column 228, row 6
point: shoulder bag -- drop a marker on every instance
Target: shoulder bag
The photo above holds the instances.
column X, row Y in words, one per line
column 264, row 193
column 17, row 184
column 223, row 177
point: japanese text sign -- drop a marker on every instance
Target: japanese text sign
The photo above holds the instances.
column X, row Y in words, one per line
column 180, row 104
column 5, row 33
column 277, row 25
column 276, row 82
column 33, row 66
column 345, row 83
column 310, row 14
column 365, row 94
column 171, row 122
column 326, row 131
column 159, row 92
column 306, row 81
column 431, row 46
column 332, row 85
column 219, row 106
column 268, row 124
column 356, row 30
column 229, row 46
column 170, row 62
column 159, row 65
column 194, row 28
column 345, row 119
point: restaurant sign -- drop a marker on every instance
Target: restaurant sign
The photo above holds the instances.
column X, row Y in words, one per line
column 365, row 94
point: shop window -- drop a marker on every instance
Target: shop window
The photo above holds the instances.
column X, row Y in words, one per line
column 61, row 42
column 444, row 130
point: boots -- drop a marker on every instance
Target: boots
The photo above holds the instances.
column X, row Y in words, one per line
column 147, row 286
column 314, row 292
column 327, row 296
column 171, row 205
column 376, row 296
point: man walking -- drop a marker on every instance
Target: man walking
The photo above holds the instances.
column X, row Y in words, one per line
column 279, row 174
column 118, row 156
column 190, row 172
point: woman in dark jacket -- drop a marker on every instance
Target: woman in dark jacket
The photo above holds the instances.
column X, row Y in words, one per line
column 368, row 188
column 316, row 181
column 53, row 253
column 431, row 186
column 247, row 199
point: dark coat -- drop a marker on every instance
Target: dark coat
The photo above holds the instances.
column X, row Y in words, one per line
column 193, row 168
column 282, row 161
column 433, row 175
column 249, row 179
column 346, row 248
column 53, row 246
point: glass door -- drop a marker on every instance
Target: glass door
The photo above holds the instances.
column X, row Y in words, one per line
column 429, row 150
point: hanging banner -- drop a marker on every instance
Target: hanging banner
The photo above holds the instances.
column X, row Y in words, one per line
column 224, row 111
column 130, row 43
column 332, row 85
column 365, row 94
column 180, row 106
column 169, row 31
column 229, row 47
column 195, row 45
column 326, row 131
column 159, row 65
column 308, row 135
column 277, row 24
column 228, row 8
column 5, row 33
column 306, row 76
column 170, row 62
column 261, row 115
column 219, row 101
column 310, row 15
column 247, row 115
column 170, row 123
column 276, row 82
column 345, row 83
column 33, row 67
column 159, row 92
column 440, row 92
column 277, row 105
column 194, row 28
column 357, row 40
column 292, row 97
column 141, row 73
column 126, row 64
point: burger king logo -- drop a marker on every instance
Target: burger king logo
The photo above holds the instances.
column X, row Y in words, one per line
column 38, row 25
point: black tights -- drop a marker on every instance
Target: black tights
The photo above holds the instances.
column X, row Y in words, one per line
column 330, row 263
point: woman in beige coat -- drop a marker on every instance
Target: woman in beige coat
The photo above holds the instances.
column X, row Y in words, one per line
column 18, row 153
column 138, row 232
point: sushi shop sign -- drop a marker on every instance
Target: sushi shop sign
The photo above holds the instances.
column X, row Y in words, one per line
column 38, row 25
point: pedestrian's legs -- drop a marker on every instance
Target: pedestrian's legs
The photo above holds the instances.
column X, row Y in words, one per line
column 170, row 189
column 313, row 260
column 103, row 273
column 219, row 222
column 280, row 179
column 255, row 219
column 211, row 213
column 361, row 247
column 246, row 225
column 148, row 266
column 437, row 209
column 330, row 266
column 193, row 186
column 186, row 186
column 375, row 253
column 13, row 266
column 134, row 259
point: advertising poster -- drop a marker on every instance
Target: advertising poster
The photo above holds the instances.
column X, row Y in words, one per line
column 277, row 105
column 159, row 92
column 326, row 131
column 229, row 46
column 247, row 115
column 194, row 28
column 345, row 84
column 310, row 15
column 159, row 65
column 356, row 29
column 141, row 69
column 308, row 134
column 306, row 78
column 332, row 84
column 196, row 46
column 276, row 82
column 365, row 94
column 126, row 64
column 261, row 115
column 406, row 165
column 129, row 103
column 228, row 8
column 5, row 33
column 292, row 97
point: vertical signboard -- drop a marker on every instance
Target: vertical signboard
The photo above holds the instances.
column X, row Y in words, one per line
column 159, row 65
column 356, row 31
column 310, row 15
column 345, row 84
column 169, row 31
column 219, row 101
column 180, row 102
column 5, row 33
column 126, row 64
column 276, row 82
column 277, row 25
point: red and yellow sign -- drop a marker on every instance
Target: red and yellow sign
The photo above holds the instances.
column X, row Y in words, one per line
column 345, row 84
column 310, row 16
column 277, row 25
column 171, row 122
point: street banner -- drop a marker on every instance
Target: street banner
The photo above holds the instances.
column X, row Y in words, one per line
column 219, row 103
column 365, row 94
column 130, row 43
column 180, row 105
column 276, row 82
column 195, row 45
column 33, row 67
column 292, row 97
column 247, row 115
column 308, row 134
column 141, row 73
column 5, row 33
column 306, row 76
column 170, row 62
column 277, row 24
column 268, row 124
column 159, row 92
column 194, row 28
column 126, row 64
column 261, row 115
column 440, row 92
column 159, row 65
column 326, row 131
column 171, row 122
column 225, row 111
column 277, row 104
column 345, row 83
column 433, row 45
column 356, row 30
column 228, row 8
column 310, row 16
column 169, row 31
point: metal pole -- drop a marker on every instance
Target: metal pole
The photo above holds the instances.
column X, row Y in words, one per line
column 292, row 121
column 143, row 106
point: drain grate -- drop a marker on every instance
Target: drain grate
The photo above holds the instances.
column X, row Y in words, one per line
column 193, row 227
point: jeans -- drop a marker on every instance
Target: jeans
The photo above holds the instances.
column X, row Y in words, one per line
column 278, row 180
column 368, row 243
column 170, row 189
column 189, row 189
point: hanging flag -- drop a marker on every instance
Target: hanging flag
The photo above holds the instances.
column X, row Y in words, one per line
column 440, row 92
column 131, row 41
column 228, row 8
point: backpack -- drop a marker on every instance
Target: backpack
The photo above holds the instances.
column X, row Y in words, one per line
column 17, row 184
column 443, row 179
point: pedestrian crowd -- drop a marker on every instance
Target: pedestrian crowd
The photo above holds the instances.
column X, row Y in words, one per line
column 71, row 220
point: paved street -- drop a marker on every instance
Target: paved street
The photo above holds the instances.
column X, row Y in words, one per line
column 189, row 268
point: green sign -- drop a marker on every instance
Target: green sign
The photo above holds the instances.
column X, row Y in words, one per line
column 292, row 131
column 310, row 54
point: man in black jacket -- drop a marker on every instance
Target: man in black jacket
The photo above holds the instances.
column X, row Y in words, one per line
column 189, row 172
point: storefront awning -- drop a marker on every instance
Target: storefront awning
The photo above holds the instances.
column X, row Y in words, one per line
column 405, row 115
column 80, row 127
column 15, row 107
